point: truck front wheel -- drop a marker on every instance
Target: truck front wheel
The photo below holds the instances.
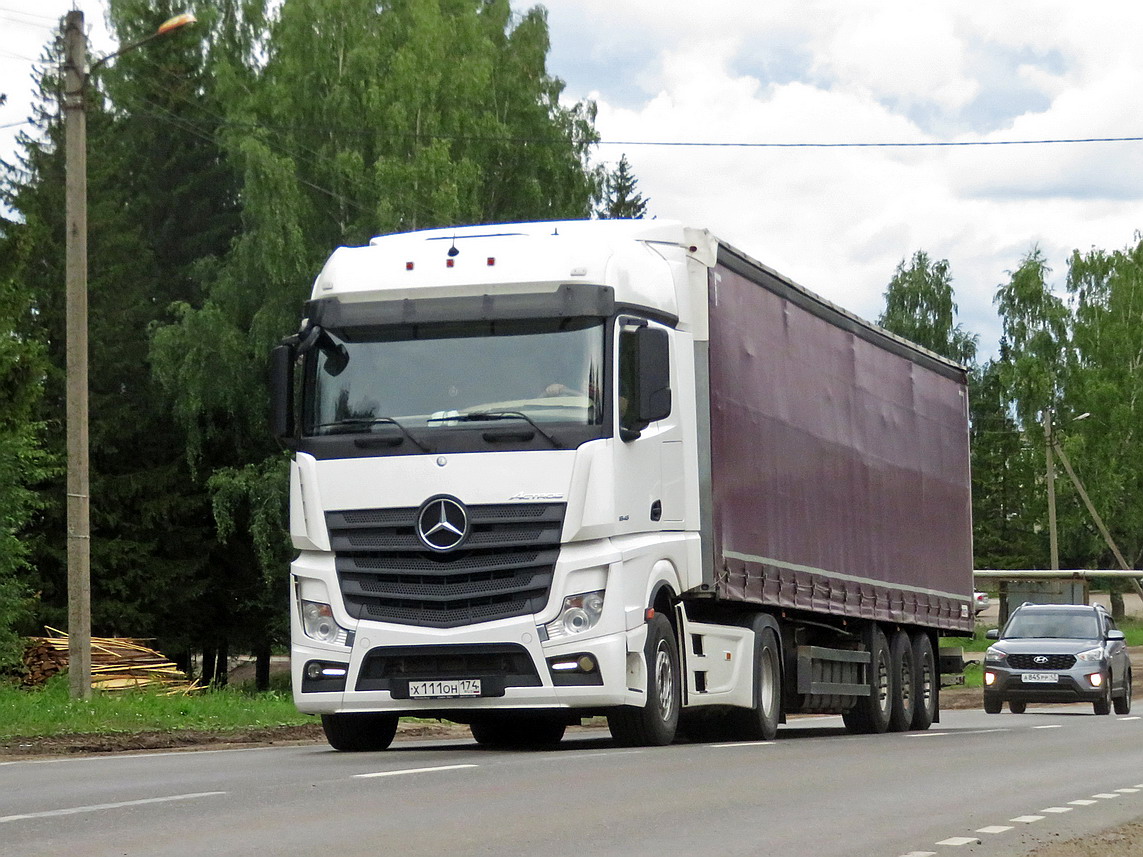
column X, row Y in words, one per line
column 654, row 724
column 359, row 732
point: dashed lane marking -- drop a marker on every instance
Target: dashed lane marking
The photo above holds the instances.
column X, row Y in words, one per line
column 1083, row 802
column 1050, row 726
column 960, row 840
column 995, row 828
column 743, row 744
column 1027, row 819
column 413, row 771
column 1106, row 795
column 1128, row 791
column 98, row 807
column 1058, row 809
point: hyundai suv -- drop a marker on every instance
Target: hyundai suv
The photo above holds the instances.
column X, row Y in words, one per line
column 1057, row 653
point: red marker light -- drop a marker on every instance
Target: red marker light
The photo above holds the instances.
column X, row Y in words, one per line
column 408, row 266
column 450, row 263
column 491, row 261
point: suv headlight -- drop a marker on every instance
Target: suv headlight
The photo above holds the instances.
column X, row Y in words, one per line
column 1091, row 655
column 319, row 624
column 579, row 613
column 994, row 654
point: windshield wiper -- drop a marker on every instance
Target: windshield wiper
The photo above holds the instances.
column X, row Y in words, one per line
column 482, row 416
column 366, row 422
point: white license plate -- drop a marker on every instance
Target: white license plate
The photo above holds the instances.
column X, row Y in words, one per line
column 444, row 689
column 1040, row 678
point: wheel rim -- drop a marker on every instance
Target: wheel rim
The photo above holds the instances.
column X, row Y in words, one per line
column 767, row 680
column 926, row 688
column 883, row 683
column 906, row 679
column 664, row 681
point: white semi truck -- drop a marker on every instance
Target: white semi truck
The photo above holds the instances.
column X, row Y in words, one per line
column 549, row 471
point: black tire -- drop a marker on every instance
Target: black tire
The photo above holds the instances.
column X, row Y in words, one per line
column 655, row 723
column 1123, row 703
column 1103, row 706
column 870, row 715
column 993, row 706
column 903, row 675
column 519, row 731
column 927, row 684
column 1017, row 706
column 760, row 723
column 355, row 733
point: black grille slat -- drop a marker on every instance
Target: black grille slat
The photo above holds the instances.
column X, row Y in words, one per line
column 1054, row 662
column 504, row 567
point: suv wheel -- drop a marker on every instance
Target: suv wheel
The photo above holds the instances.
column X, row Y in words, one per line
column 1123, row 703
column 993, row 706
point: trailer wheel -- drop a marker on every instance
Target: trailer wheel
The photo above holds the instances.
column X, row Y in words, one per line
column 870, row 715
column 927, row 684
column 518, row 731
column 760, row 723
column 903, row 698
column 356, row 733
column 655, row 723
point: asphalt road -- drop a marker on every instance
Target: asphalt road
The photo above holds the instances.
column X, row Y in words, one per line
column 979, row 784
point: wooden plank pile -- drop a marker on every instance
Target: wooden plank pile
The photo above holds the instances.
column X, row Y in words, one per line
column 117, row 663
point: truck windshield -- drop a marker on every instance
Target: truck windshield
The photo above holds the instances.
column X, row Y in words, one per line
column 439, row 375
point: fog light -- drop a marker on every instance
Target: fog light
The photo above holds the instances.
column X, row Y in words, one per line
column 319, row 624
column 989, row 679
column 1096, row 679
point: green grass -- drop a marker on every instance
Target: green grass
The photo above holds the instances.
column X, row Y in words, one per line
column 50, row 711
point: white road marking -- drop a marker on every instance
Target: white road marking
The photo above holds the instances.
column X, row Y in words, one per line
column 1125, row 719
column 1058, row 809
column 995, row 828
column 1128, row 791
column 1106, row 796
column 102, row 806
column 1082, row 802
column 1027, row 819
column 1050, row 726
column 959, row 840
column 920, row 854
column 745, row 744
column 413, row 771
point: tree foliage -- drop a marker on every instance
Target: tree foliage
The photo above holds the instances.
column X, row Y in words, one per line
column 919, row 306
column 620, row 199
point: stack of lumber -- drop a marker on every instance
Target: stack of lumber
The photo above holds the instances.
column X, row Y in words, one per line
column 117, row 663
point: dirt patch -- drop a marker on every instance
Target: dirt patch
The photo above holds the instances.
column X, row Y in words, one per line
column 1124, row 841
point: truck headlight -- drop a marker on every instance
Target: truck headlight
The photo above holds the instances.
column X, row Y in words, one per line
column 579, row 613
column 319, row 624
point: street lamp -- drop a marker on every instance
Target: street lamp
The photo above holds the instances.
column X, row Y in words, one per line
column 76, row 76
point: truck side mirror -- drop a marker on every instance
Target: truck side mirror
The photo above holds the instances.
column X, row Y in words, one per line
column 282, row 394
column 654, row 374
column 644, row 379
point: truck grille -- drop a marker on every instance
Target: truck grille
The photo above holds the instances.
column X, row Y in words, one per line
column 503, row 569
column 1054, row 662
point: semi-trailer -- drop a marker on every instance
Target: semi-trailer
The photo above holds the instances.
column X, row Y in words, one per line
column 549, row 471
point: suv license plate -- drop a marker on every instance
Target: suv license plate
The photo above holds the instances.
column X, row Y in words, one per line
column 444, row 689
column 1040, row 678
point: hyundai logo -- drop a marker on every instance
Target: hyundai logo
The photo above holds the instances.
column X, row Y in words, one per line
column 442, row 523
column 1040, row 659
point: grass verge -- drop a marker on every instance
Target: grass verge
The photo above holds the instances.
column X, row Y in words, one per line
column 50, row 711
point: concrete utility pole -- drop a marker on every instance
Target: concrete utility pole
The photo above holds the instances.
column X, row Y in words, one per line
column 1053, row 539
column 78, row 468
column 76, row 75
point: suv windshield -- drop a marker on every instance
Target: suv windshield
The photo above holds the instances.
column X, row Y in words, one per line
column 439, row 375
column 1033, row 624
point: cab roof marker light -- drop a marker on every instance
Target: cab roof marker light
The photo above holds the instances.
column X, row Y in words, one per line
column 450, row 263
column 409, row 266
column 491, row 261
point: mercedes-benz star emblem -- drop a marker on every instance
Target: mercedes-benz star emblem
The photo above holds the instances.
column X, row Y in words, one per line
column 442, row 523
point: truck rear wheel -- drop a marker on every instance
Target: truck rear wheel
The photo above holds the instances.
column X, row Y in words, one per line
column 870, row 715
column 760, row 723
column 903, row 697
column 356, row 733
column 654, row 724
column 927, row 684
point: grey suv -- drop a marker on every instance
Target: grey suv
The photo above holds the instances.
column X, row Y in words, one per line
column 1057, row 653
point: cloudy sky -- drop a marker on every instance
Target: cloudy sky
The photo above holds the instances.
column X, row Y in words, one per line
column 839, row 219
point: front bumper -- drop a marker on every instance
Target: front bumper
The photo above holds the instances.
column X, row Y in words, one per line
column 513, row 665
column 1072, row 685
